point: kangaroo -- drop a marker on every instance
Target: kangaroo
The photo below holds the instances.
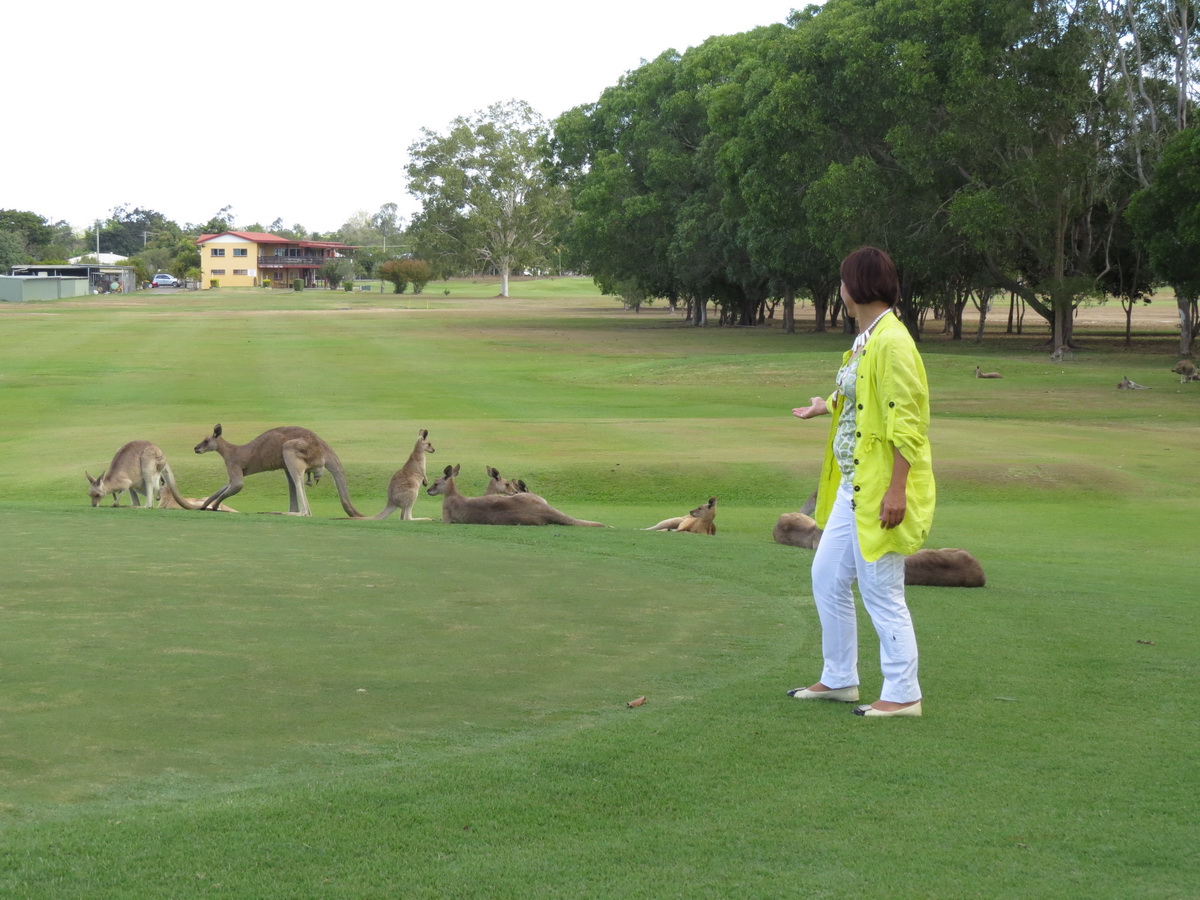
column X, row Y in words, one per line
column 410, row 478
column 498, row 484
column 981, row 374
column 496, row 509
column 1186, row 370
column 293, row 449
column 1126, row 385
column 139, row 467
column 1063, row 352
column 797, row 529
column 947, row 567
column 698, row 521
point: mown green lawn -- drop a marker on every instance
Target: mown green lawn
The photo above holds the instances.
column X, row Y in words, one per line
column 198, row 704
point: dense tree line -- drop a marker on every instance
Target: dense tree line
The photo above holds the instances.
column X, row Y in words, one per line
column 989, row 145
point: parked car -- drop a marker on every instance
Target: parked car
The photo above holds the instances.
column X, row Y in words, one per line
column 163, row 280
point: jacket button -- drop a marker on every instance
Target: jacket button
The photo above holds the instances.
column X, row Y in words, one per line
column 890, row 403
column 857, row 488
column 856, row 462
column 858, row 434
column 860, row 406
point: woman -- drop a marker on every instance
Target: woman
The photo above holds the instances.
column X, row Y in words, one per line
column 875, row 498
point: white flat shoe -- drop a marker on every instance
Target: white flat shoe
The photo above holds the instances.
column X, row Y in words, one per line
column 845, row 695
column 914, row 710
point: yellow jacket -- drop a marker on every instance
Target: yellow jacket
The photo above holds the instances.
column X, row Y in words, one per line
column 893, row 411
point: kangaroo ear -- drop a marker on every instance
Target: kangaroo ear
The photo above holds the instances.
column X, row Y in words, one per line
column 456, row 469
column 424, row 433
column 448, row 471
column 90, row 479
column 217, row 430
column 493, row 473
column 521, row 485
column 712, row 501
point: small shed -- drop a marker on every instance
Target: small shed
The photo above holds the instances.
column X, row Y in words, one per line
column 102, row 279
column 27, row 288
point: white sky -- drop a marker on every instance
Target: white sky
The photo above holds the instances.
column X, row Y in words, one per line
column 172, row 107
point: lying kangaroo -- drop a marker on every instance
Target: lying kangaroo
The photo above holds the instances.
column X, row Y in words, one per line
column 139, row 467
column 498, row 484
column 295, row 450
column 1126, row 385
column 496, row 509
column 947, row 567
column 797, row 530
column 981, row 374
column 1186, row 370
column 410, row 478
column 698, row 521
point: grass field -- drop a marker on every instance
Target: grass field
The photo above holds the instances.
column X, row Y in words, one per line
column 270, row 707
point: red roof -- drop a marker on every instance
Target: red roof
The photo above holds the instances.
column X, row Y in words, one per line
column 260, row 237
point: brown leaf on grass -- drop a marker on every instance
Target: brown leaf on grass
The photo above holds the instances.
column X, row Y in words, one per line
column 638, row 702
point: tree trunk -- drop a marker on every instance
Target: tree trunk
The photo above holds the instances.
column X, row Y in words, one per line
column 789, row 310
column 1187, row 324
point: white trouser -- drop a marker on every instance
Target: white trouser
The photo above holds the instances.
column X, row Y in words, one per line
column 838, row 561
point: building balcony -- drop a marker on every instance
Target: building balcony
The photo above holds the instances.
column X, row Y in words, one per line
column 291, row 262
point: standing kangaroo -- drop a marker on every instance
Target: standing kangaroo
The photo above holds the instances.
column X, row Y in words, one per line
column 293, row 449
column 402, row 489
column 496, row 509
column 698, row 521
column 139, row 467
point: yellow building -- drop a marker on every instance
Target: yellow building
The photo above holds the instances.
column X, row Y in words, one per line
column 246, row 258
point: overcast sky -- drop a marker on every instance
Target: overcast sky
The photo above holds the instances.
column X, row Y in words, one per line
column 298, row 110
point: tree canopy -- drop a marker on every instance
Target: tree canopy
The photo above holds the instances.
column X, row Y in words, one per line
column 485, row 194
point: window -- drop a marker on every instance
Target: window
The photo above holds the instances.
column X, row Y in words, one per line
column 239, row 251
column 240, row 272
column 218, row 251
column 218, row 271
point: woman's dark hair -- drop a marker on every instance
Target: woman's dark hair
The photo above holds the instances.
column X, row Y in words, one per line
column 870, row 277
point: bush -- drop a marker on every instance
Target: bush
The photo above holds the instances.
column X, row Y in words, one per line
column 348, row 285
column 297, row 284
column 214, row 283
column 266, row 282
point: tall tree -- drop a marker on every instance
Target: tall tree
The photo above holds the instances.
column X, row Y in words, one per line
column 483, row 188
column 1166, row 219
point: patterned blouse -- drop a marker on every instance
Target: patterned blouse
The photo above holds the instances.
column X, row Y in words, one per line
column 843, row 439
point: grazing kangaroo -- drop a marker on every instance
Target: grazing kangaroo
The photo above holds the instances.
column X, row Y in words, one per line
column 981, row 374
column 139, row 467
column 496, row 509
column 293, row 449
column 698, row 521
column 408, row 480
column 1186, row 370
column 947, row 567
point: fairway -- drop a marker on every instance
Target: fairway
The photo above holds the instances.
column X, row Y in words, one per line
column 264, row 706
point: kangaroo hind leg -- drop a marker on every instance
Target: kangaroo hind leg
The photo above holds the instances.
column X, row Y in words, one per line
column 296, row 465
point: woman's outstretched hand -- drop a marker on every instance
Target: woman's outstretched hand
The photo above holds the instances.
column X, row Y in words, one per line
column 816, row 407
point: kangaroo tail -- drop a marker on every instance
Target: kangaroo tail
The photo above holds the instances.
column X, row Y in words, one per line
column 378, row 517
column 169, row 480
column 334, row 465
